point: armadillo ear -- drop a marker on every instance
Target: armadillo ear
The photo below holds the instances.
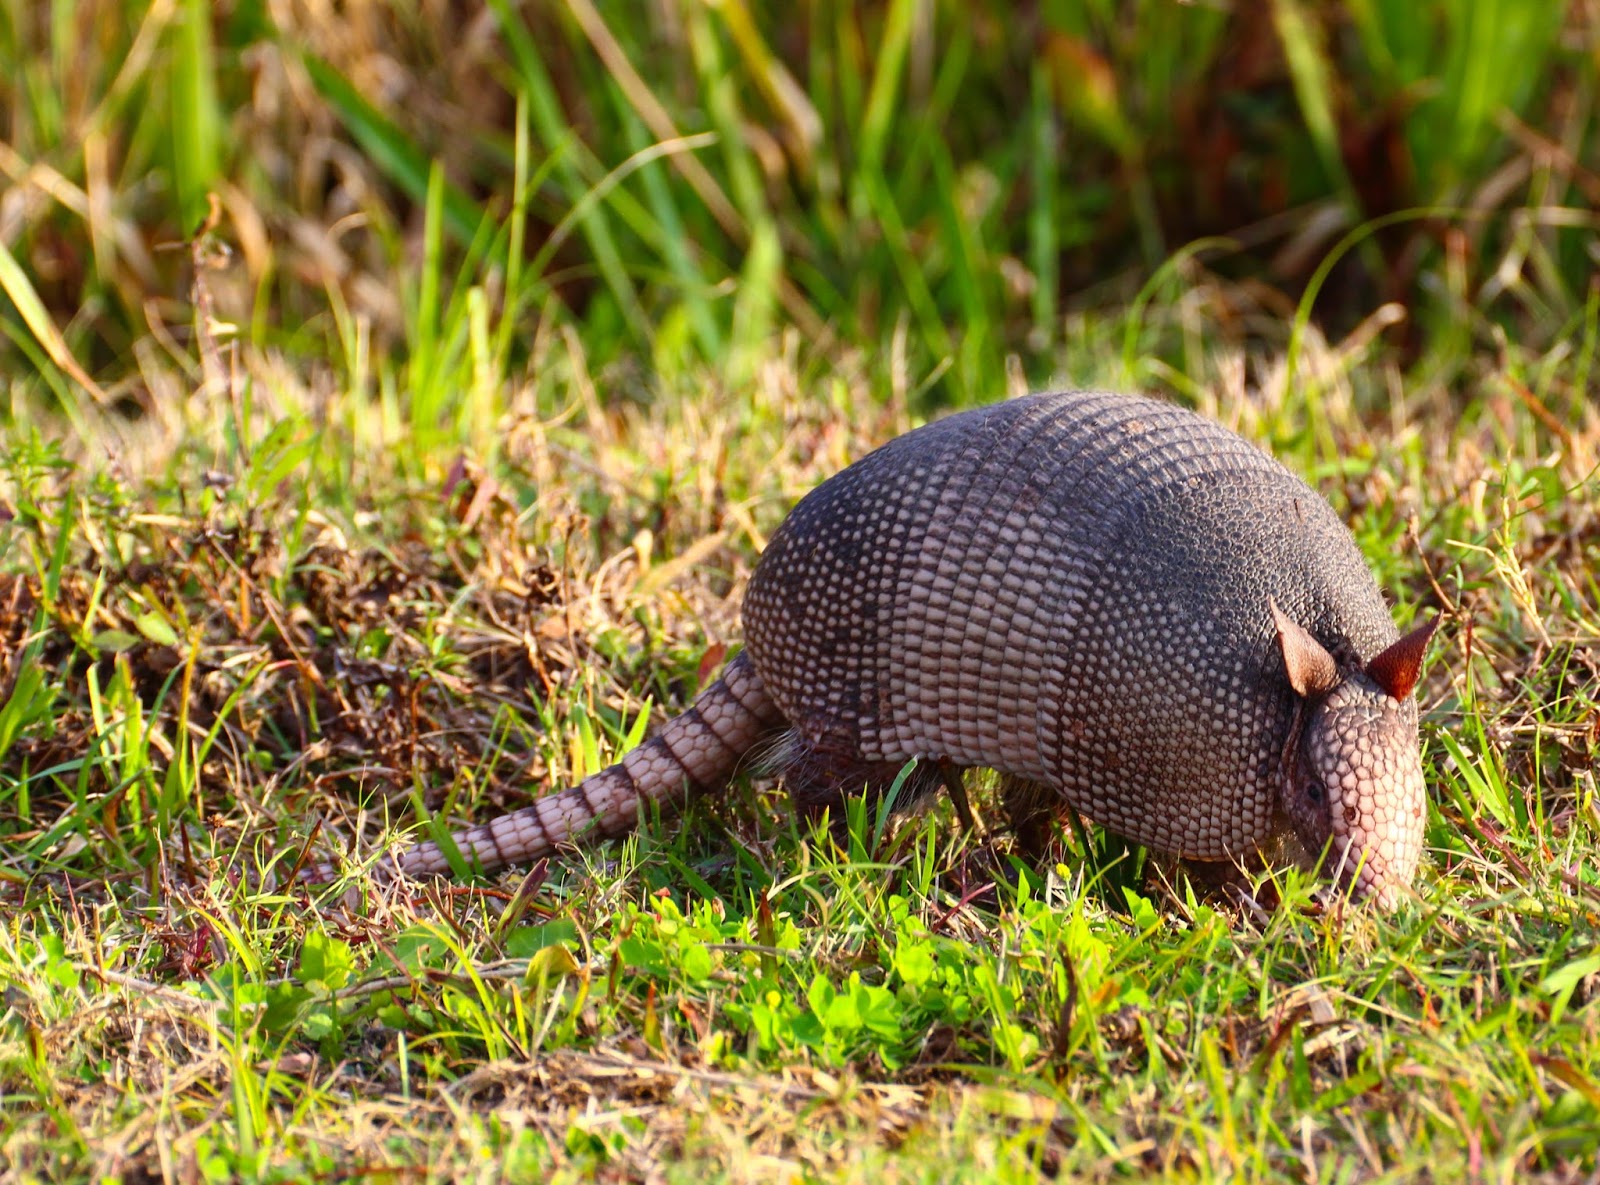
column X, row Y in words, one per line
column 1396, row 670
column 1311, row 669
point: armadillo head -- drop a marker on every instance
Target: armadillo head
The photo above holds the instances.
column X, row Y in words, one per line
column 1352, row 772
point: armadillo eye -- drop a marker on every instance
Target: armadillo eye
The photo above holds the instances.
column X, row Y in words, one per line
column 1314, row 792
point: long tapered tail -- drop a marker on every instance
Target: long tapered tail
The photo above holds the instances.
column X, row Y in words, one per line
column 695, row 751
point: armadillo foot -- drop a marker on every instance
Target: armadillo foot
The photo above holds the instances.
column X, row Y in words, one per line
column 819, row 777
column 1032, row 809
column 950, row 775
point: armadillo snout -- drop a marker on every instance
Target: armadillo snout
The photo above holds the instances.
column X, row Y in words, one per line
column 1362, row 746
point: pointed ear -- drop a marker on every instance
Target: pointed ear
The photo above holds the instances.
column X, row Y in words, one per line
column 1311, row 669
column 1396, row 670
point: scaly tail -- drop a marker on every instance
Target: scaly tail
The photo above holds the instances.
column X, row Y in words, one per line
column 697, row 750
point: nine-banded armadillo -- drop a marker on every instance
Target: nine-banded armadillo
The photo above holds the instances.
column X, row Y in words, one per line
column 1106, row 597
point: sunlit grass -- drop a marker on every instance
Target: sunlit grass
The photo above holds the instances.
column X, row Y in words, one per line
column 325, row 651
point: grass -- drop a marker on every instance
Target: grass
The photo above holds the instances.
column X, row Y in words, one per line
column 446, row 483
column 324, row 651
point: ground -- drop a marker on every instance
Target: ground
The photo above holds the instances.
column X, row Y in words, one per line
column 427, row 475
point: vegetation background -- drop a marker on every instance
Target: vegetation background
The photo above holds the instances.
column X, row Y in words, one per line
column 397, row 396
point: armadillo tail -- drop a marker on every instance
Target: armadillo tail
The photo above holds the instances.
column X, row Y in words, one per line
column 695, row 751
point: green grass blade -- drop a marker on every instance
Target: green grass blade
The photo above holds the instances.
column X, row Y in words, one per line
column 194, row 120
column 1043, row 178
column 25, row 298
column 888, row 70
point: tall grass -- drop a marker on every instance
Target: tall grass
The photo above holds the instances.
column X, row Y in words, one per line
column 686, row 177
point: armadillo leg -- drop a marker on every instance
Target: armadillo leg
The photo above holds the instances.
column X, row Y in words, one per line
column 1032, row 808
column 950, row 775
column 820, row 775
column 695, row 751
column 1213, row 881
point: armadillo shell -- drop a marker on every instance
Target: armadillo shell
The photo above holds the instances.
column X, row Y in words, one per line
column 1072, row 588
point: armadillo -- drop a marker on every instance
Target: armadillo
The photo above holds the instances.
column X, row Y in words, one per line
column 1108, row 598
